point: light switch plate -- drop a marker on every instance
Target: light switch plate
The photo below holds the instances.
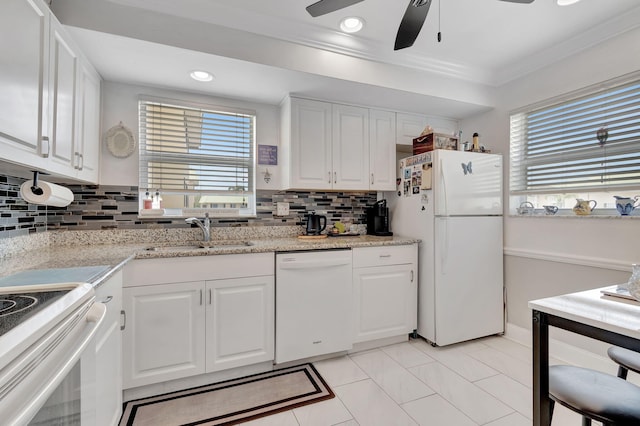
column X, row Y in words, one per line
column 282, row 209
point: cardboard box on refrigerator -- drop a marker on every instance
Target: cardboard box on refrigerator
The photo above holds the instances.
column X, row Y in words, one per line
column 431, row 141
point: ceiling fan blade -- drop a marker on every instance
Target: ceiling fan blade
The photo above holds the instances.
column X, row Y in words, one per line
column 519, row 1
column 411, row 23
column 323, row 7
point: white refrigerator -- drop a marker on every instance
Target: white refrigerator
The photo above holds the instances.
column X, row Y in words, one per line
column 452, row 201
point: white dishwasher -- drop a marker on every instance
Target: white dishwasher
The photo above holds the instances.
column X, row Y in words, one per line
column 313, row 303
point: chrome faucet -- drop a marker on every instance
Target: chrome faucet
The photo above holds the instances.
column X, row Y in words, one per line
column 206, row 226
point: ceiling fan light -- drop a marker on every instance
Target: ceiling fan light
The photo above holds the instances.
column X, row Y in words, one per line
column 351, row 24
column 201, row 75
column 566, row 2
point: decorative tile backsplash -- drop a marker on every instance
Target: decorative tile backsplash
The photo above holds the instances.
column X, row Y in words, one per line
column 101, row 207
column 17, row 217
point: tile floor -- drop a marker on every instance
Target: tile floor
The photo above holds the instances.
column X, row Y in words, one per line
column 482, row 382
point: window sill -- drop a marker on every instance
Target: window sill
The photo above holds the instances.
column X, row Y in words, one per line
column 575, row 216
column 185, row 213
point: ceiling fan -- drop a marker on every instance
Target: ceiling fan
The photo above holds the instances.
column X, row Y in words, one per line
column 410, row 25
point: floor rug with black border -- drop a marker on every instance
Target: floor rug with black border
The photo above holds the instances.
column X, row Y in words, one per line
column 232, row 401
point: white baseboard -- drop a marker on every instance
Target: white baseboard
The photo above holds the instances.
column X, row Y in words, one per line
column 599, row 262
column 562, row 351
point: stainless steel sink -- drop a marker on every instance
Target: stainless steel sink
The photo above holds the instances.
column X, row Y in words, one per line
column 203, row 245
column 176, row 248
column 227, row 244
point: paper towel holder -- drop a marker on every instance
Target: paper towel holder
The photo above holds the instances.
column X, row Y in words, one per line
column 35, row 188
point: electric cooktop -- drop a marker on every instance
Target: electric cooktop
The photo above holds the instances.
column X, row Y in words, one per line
column 18, row 307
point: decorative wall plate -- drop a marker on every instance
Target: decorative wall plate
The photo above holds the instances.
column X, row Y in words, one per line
column 120, row 141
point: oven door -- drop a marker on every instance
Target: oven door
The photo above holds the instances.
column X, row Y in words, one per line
column 53, row 381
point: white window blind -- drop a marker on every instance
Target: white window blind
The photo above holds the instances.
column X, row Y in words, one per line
column 205, row 154
column 587, row 143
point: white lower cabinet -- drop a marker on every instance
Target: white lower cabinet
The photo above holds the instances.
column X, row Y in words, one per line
column 181, row 329
column 385, row 283
column 240, row 322
column 164, row 332
column 109, row 354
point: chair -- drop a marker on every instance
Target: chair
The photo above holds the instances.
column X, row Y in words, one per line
column 595, row 395
column 626, row 360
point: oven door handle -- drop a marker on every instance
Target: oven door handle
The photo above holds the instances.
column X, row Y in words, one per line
column 94, row 318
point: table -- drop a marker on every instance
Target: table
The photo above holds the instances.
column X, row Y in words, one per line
column 590, row 313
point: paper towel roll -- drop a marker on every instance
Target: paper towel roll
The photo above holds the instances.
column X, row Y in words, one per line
column 52, row 194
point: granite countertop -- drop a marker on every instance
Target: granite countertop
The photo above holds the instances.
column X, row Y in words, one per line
column 116, row 254
column 276, row 245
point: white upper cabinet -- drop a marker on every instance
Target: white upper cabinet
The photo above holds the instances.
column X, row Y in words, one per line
column 350, row 147
column 382, row 150
column 87, row 152
column 309, row 145
column 409, row 126
column 43, row 120
column 337, row 147
column 23, row 98
column 63, row 83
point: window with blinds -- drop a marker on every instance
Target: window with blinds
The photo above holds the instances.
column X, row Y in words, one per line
column 197, row 159
column 585, row 144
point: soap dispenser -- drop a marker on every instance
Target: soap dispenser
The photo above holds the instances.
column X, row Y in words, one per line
column 147, row 202
column 157, row 200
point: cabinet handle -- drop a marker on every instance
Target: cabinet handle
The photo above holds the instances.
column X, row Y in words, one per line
column 335, row 177
column 329, row 181
column 200, row 297
column 412, row 275
column 77, row 161
column 371, row 178
column 81, row 167
column 385, row 255
column 209, row 296
column 124, row 320
column 107, row 300
column 46, row 139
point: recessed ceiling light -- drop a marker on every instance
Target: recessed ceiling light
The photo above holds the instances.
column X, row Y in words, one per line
column 201, row 75
column 566, row 2
column 351, row 24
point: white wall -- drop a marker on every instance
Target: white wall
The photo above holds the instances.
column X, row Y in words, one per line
column 120, row 103
column 548, row 256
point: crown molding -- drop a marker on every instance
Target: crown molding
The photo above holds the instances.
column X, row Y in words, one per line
column 598, row 34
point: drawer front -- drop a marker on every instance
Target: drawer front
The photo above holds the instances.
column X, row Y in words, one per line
column 384, row 255
column 197, row 268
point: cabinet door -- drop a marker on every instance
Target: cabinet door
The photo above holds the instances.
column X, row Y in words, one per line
column 385, row 300
column 408, row 127
column 23, row 69
column 109, row 354
column 88, row 125
column 382, row 150
column 240, row 322
column 310, row 144
column 350, row 157
column 63, row 77
column 164, row 332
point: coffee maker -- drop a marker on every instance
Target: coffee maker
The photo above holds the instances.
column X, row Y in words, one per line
column 378, row 219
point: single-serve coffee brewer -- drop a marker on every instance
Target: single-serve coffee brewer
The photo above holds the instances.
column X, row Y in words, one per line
column 378, row 219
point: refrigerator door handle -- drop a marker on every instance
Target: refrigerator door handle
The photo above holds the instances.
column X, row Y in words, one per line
column 444, row 188
column 444, row 246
